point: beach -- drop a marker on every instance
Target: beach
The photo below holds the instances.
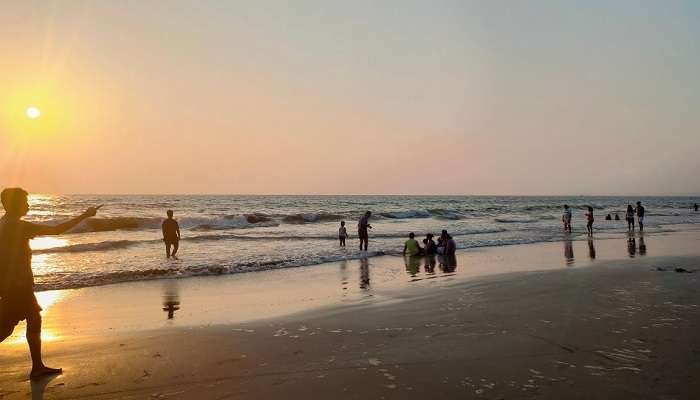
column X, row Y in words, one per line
column 565, row 319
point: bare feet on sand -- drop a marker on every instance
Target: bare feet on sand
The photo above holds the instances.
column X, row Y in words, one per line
column 40, row 372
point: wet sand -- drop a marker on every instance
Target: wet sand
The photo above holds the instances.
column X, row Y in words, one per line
column 533, row 321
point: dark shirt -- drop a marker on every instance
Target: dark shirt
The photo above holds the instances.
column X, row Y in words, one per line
column 430, row 247
column 364, row 222
column 16, row 275
column 170, row 228
column 640, row 211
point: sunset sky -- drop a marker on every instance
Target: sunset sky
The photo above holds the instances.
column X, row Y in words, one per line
column 354, row 97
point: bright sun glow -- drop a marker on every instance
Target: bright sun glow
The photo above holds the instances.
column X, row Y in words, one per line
column 33, row 112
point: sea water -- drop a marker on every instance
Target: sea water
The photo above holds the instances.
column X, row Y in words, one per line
column 236, row 234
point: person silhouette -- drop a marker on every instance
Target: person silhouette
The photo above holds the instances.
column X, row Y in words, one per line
column 640, row 215
column 362, row 231
column 17, row 299
column 695, row 207
column 171, row 235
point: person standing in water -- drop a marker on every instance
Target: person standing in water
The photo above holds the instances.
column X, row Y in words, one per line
column 362, row 229
column 629, row 217
column 17, row 299
column 566, row 218
column 589, row 218
column 342, row 234
column 171, row 235
column 695, row 207
column 640, row 215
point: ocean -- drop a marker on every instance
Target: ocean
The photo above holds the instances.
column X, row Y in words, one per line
column 237, row 234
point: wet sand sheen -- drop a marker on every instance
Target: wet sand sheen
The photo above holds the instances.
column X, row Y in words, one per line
column 622, row 328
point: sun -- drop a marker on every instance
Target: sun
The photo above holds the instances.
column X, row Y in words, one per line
column 33, row 112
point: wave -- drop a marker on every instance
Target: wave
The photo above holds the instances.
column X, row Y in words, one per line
column 513, row 220
column 116, row 223
column 86, row 247
column 74, row 281
column 311, row 217
column 405, row 214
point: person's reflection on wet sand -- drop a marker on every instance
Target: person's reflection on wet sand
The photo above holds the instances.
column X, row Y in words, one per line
column 591, row 249
column 448, row 263
column 430, row 263
column 412, row 265
column 642, row 246
column 568, row 252
column 631, row 246
column 38, row 386
column 171, row 299
column 364, row 273
column 344, row 279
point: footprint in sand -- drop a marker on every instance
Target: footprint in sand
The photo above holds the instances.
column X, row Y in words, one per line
column 374, row 362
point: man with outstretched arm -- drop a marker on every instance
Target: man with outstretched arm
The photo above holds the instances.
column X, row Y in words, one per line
column 17, row 300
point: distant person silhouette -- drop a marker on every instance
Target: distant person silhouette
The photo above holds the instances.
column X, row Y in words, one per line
column 17, row 300
column 629, row 217
column 617, row 217
column 171, row 235
column 566, row 218
column 590, row 219
column 362, row 229
column 342, row 234
column 695, row 207
column 450, row 246
column 430, row 246
column 640, row 215
column 608, row 217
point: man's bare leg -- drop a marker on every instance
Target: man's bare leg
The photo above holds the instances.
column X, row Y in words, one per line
column 167, row 250
column 34, row 340
column 176, row 245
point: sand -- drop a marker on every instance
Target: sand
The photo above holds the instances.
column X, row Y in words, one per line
column 510, row 322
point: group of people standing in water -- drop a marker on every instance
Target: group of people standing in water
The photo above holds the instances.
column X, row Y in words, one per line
column 630, row 215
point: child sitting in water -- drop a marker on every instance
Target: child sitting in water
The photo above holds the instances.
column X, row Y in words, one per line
column 411, row 246
column 342, row 234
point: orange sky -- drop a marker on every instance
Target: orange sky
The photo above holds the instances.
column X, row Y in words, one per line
column 362, row 98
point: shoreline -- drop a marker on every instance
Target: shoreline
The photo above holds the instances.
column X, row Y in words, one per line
column 316, row 330
column 141, row 276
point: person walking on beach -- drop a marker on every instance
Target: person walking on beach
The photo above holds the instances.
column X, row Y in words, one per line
column 566, row 218
column 640, row 215
column 411, row 246
column 629, row 217
column 695, row 207
column 17, row 299
column 171, row 235
column 342, row 234
column 589, row 218
column 362, row 229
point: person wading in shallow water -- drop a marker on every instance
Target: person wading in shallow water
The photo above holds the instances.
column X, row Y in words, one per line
column 362, row 231
column 17, row 300
column 171, row 235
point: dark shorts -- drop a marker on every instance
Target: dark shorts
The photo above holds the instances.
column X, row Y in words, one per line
column 171, row 240
column 363, row 234
column 18, row 307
